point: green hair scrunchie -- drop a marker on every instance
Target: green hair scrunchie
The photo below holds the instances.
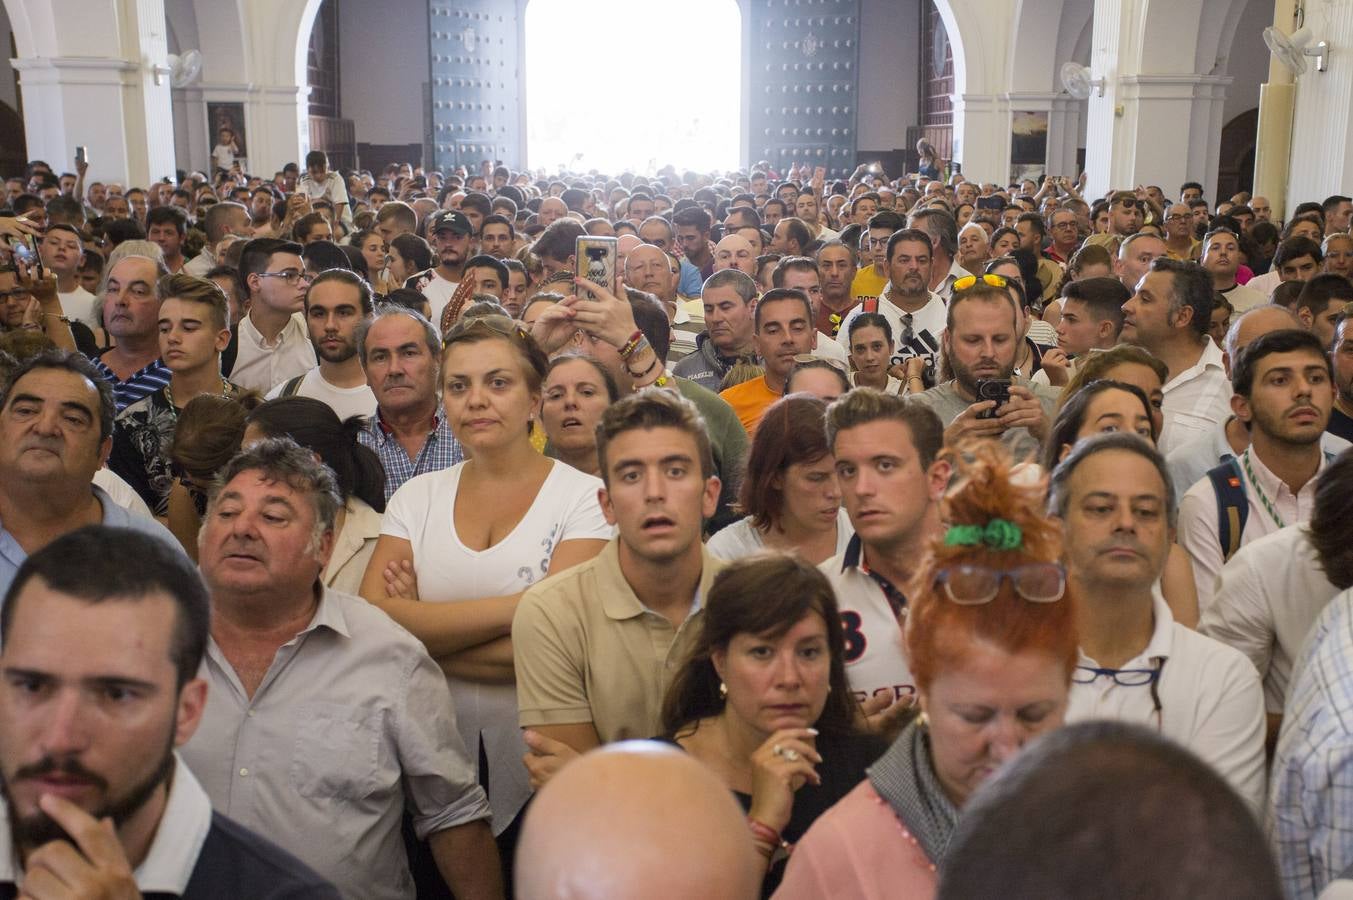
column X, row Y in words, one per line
column 998, row 534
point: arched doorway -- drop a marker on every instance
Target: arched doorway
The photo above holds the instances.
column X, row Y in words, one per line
column 1235, row 170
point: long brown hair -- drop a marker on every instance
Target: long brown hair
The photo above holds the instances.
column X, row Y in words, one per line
column 792, row 431
column 764, row 595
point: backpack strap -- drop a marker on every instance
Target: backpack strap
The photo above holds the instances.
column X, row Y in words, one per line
column 230, row 352
column 1233, row 506
column 869, row 305
column 292, row 386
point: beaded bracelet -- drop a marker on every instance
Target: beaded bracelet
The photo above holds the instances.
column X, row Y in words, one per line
column 632, row 344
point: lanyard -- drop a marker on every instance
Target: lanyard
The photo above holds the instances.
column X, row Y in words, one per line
column 1263, row 498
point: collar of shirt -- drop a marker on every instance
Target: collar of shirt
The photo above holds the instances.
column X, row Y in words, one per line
column 618, row 599
column 1275, row 488
column 154, row 368
column 172, row 857
column 385, row 433
column 294, row 331
column 1162, row 637
column 887, row 292
column 853, row 558
column 1211, row 358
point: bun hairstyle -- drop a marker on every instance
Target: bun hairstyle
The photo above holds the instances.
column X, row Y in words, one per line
column 1007, row 507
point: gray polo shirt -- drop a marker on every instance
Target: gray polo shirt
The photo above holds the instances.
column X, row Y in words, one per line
column 352, row 723
column 948, row 404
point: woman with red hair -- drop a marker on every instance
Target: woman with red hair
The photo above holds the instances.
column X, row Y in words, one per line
column 991, row 639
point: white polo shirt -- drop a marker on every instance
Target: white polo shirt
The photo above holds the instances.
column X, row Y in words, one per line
column 1268, row 597
column 1210, row 701
column 260, row 365
column 872, row 621
column 1198, row 526
column 1195, row 400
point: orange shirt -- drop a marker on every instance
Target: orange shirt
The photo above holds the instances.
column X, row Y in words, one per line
column 749, row 401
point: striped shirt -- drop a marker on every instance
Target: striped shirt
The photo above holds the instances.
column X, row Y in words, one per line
column 143, row 383
column 440, row 451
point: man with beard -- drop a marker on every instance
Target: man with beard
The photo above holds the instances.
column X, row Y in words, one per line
column 981, row 340
column 449, row 232
column 1283, row 384
column 336, row 304
column 98, row 804
column 916, row 314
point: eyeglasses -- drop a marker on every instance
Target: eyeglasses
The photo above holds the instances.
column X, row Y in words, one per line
column 973, row 585
column 1179, row 217
column 503, row 325
column 1070, row 224
column 968, row 281
column 15, row 292
column 290, row 276
column 1129, row 678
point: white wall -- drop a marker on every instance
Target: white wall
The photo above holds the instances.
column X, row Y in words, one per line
column 889, row 74
column 1247, row 62
column 1322, row 148
column 383, row 61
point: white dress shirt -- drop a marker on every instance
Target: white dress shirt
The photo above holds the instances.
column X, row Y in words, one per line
column 1196, row 400
column 1268, row 597
column 1210, row 700
column 1198, row 527
column 261, row 365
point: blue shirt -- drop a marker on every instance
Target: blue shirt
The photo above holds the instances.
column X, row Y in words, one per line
column 142, row 383
column 12, row 555
column 692, row 279
column 1312, row 780
column 440, row 451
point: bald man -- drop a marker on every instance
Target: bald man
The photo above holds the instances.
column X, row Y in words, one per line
column 734, row 252
column 1189, row 462
column 551, row 208
column 623, row 247
column 636, row 819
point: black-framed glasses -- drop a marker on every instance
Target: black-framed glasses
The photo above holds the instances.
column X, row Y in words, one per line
column 1129, row 678
column 290, row 276
column 968, row 584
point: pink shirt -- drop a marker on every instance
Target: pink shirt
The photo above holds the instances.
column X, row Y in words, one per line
column 858, row 850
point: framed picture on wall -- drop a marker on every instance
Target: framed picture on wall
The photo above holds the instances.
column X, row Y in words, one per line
column 227, row 138
column 1028, row 144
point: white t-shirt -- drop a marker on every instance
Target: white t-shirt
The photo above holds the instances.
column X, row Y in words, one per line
column 894, row 385
column 260, row 366
column 346, row 402
column 927, row 327
column 829, row 348
column 742, row 538
column 437, row 289
column 79, row 305
column 421, row 512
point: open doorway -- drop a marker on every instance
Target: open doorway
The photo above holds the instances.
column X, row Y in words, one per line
column 634, row 85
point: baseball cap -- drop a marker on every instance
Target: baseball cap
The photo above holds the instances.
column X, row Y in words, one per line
column 449, row 219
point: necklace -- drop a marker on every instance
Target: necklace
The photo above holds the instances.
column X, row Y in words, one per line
column 169, row 393
column 1259, row 491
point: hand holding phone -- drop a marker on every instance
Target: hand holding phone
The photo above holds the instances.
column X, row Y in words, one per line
column 997, row 389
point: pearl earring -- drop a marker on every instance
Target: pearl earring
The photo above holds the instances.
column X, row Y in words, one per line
column 723, row 691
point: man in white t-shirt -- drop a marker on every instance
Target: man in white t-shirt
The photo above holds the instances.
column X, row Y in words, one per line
column 318, row 183
column 916, row 313
column 450, row 234
column 1113, row 496
column 336, row 303
column 61, row 250
column 886, row 451
column 271, row 344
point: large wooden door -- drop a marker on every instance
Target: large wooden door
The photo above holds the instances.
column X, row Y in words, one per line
column 804, row 76
column 475, row 82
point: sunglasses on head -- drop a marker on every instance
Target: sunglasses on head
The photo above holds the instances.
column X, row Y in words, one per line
column 968, row 281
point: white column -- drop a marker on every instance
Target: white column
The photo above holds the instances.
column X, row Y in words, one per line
column 982, row 136
column 1322, row 148
column 1168, row 131
column 1102, row 162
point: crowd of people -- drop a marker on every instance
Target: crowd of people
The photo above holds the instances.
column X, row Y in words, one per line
column 862, row 537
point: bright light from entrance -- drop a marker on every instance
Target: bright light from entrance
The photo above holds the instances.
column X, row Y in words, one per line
column 633, row 84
